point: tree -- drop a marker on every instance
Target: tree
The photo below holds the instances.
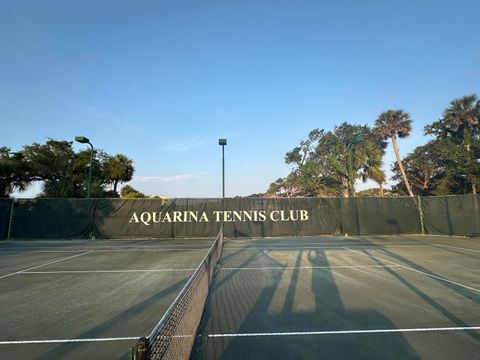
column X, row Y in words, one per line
column 128, row 192
column 64, row 173
column 389, row 125
column 300, row 154
column 53, row 163
column 425, row 168
column 459, row 127
column 118, row 169
column 346, row 158
column 13, row 172
column 328, row 163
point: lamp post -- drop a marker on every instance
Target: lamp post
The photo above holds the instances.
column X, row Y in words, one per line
column 355, row 140
column 222, row 143
column 84, row 140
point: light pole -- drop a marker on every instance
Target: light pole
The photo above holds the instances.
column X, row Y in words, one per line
column 355, row 140
column 84, row 140
column 222, row 143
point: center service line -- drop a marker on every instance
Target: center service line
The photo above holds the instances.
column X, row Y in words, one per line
column 346, row 332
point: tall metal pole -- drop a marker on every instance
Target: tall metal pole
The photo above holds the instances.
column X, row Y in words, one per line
column 222, row 143
column 223, row 171
column 89, row 186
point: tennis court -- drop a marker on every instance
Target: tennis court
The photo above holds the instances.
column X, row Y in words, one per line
column 398, row 297
column 80, row 299
column 376, row 297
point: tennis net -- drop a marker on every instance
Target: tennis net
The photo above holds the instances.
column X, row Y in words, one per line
column 174, row 335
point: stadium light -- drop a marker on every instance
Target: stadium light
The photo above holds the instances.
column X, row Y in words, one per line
column 222, row 143
column 84, row 140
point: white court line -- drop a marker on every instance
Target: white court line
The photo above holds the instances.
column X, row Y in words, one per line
column 92, row 249
column 146, row 249
column 263, row 247
column 306, row 267
column 18, row 250
column 453, row 247
column 340, row 246
column 340, row 242
column 39, row 266
column 347, row 332
column 418, row 271
column 63, row 341
column 103, row 271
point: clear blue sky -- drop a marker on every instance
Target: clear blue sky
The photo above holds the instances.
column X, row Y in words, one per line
column 161, row 81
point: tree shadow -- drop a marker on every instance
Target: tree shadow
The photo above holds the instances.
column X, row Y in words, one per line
column 442, row 310
column 63, row 350
column 250, row 302
column 468, row 294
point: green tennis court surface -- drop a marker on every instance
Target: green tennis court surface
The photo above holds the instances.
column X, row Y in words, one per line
column 326, row 297
column 88, row 299
column 378, row 297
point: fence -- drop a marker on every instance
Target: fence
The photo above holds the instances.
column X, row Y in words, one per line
column 253, row 217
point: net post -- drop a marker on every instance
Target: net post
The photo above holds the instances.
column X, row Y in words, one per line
column 420, row 212
column 139, row 352
column 10, row 220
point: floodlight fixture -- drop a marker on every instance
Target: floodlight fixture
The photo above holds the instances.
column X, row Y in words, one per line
column 84, row 140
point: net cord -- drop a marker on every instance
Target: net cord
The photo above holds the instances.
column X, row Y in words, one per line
column 169, row 311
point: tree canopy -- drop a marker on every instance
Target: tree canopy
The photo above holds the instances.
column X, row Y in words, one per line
column 328, row 163
column 62, row 171
column 459, row 132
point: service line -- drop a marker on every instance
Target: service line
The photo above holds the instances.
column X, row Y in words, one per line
column 39, row 266
column 63, row 341
column 347, row 332
column 104, row 271
column 306, row 267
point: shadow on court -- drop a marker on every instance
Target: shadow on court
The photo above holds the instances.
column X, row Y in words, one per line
column 98, row 331
column 104, row 290
column 259, row 305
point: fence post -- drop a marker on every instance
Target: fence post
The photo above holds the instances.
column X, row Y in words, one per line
column 10, row 220
column 420, row 212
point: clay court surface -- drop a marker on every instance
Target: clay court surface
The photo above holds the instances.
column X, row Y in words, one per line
column 325, row 297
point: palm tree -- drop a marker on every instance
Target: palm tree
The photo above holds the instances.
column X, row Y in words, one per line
column 376, row 174
column 389, row 125
column 462, row 113
column 462, row 119
column 371, row 154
